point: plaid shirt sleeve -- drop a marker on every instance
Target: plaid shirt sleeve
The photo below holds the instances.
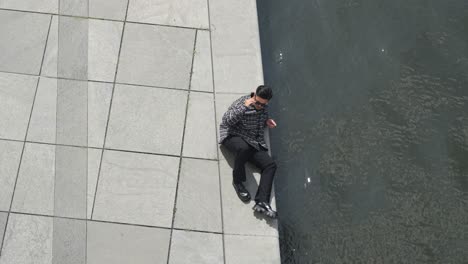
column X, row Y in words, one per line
column 235, row 112
column 266, row 119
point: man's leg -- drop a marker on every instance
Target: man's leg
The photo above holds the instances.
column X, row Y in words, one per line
column 268, row 168
column 242, row 153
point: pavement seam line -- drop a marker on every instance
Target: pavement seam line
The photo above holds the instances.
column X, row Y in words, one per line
column 127, row 224
column 102, row 19
column 110, row 149
column 216, row 129
column 182, row 148
column 107, row 82
column 24, row 141
column 109, row 113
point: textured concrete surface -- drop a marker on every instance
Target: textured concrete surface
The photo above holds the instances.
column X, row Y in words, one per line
column 160, row 75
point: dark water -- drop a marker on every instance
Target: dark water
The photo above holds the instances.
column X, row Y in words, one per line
column 371, row 98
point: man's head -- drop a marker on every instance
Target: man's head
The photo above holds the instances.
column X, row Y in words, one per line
column 263, row 94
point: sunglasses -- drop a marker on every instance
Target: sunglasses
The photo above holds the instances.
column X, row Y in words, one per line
column 258, row 103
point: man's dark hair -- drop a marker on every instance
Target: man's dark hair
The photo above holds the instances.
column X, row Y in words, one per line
column 264, row 92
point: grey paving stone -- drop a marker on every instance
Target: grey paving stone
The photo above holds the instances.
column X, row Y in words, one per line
column 23, row 40
column 16, row 97
column 3, row 219
column 236, row 46
column 251, row 249
column 185, row 13
column 43, row 6
column 239, row 218
column 99, row 96
column 28, row 240
column 136, row 188
column 123, row 244
column 198, row 201
column 202, row 75
column 103, row 49
column 114, row 9
column 43, row 120
column 69, row 241
column 74, row 7
column 10, row 154
column 195, row 247
column 73, row 45
column 200, row 128
column 35, row 187
column 156, row 56
column 104, row 44
column 147, row 119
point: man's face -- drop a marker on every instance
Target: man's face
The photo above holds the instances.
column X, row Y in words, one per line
column 260, row 102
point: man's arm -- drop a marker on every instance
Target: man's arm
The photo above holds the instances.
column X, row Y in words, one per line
column 269, row 121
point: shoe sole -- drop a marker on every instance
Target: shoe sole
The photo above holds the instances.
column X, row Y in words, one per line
column 260, row 209
column 245, row 200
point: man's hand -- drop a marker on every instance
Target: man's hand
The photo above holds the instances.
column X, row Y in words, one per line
column 271, row 123
column 249, row 101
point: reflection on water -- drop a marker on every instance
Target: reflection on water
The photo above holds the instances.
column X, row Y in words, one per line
column 371, row 98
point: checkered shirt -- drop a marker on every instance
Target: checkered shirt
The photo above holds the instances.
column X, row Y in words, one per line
column 246, row 122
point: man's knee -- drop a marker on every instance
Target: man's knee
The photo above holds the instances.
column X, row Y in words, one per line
column 237, row 145
column 243, row 153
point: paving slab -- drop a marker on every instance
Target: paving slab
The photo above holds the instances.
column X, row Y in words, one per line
column 17, row 96
column 147, row 119
column 156, row 56
column 184, row 13
column 104, row 44
column 3, row 220
column 200, row 128
column 251, row 249
column 123, row 244
column 35, row 187
column 43, row 6
column 237, row 57
column 28, row 240
column 196, row 247
column 106, row 9
column 202, row 73
column 136, row 189
column 10, row 155
column 43, row 120
column 238, row 217
column 103, row 49
column 198, row 199
column 23, row 41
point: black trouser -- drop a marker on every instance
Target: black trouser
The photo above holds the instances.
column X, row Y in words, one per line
column 244, row 152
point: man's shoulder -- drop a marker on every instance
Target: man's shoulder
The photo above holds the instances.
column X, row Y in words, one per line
column 240, row 100
column 243, row 97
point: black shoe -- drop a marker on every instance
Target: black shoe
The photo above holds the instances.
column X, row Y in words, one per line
column 265, row 209
column 241, row 192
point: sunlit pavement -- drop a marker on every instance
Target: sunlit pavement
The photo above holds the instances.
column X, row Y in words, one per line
column 161, row 74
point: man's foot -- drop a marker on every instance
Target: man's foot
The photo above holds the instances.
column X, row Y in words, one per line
column 265, row 209
column 241, row 192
